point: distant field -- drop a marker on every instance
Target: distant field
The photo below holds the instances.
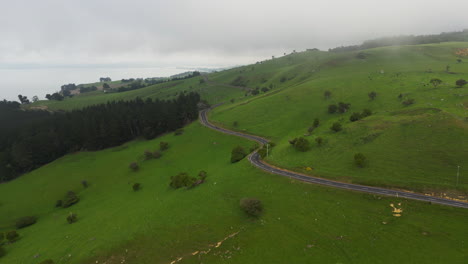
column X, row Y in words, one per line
column 415, row 147
column 302, row 223
column 163, row 91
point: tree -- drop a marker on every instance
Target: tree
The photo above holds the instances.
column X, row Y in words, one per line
column 343, row 107
column 136, row 186
column 366, row 112
column 355, row 117
column 72, row 218
column 302, row 144
column 237, row 154
column 336, row 127
column 35, row 98
column 372, row 95
column 461, row 82
column 435, row 82
column 251, row 206
column 23, row 99
column 264, row 89
column 12, row 236
column 332, row 109
column 319, row 140
column 70, row 199
column 163, row 145
column 105, row 86
column 182, row 180
column 327, row 94
column 134, row 166
column 316, row 123
column 25, row 222
column 360, row 160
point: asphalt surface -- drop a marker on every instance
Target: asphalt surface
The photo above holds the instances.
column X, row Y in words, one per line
column 255, row 159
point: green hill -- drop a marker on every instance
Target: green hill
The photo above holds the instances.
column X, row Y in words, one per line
column 416, row 147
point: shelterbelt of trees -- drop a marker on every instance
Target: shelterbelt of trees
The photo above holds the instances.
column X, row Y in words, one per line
column 29, row 139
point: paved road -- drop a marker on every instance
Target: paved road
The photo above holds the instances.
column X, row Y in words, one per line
column 254, row 158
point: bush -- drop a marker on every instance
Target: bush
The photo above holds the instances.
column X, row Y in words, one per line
column 84, row 183
column 336, row 127
column 460, row 83
column 70, row 199
column 202, row 175
column 327, row 94
column 12, row 236
column 163, row 145
column 136, row 186
column 148, row 154
column 182, row 180
column 343, row 107
column 319, row 141
column 332, row 109
column 179, row 132
column 134, row 166
column 435, row 82
column 25, row 221
column 316, row 123
column 372, row 95
column 366, row 112
column 355, row 117
column 251, row 206
column 360, row 160
column 408, row 102
column 59, row 203
column 302, row 144
column 157, row 154
column 47, row 261
column 72, row 218
column 237, row 154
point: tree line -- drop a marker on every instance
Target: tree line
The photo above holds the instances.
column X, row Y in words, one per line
column 29, row 139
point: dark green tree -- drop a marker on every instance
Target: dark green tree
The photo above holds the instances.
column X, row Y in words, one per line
column 237, row 154
column 435, row 82
column 336, row 127
column 372, row 95
column 360, row 160
column 302, row 144
column 251, row 206
column 461, row 82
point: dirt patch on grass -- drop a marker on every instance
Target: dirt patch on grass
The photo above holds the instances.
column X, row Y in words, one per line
column 462, row 52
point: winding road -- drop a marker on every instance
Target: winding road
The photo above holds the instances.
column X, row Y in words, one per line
column 255, row 159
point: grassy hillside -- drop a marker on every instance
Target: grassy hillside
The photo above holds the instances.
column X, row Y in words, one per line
column 301, row 223
column 169, row 90
column 415, row 147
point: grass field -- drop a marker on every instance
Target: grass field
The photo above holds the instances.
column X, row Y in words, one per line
column 415, row 147
column 301, row 223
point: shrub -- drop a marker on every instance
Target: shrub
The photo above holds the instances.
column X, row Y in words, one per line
column 251, row 206
column 72, row 218
column 355, row 117
column 163, row 145
column 148, row 155
column 12, row 236
column 136, row 186
column 460, row 83
column 157, row 154
column 408, row 102
column 327, row 94
column 84, row 183
column 134, row 166
column 359, row 160
column 372, row 95
column 336, row 127
column 316, row 122
column 400, row 96
column 310, row 130
column 70, row 199
column 366, row 112
column 179, row 132
column 182, row 180
column 25, row 221
column 332, row 109
column 435, row 82
column 237, row 154
column 302, row 144
column 47, row 261
column 59, row 203
column 202, row 175
column 319, row 141
column 343, row 107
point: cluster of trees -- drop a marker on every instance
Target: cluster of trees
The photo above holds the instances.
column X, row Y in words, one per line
column 88, row 89
column 184, row 180
column 55, row 96
column 105, row 79
column 30, row 139
column 340, row 108
column 406, row 40
column 357, row 116
column 301, row 144
column 237, row 154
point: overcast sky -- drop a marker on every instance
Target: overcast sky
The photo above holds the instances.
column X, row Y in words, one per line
column 204, row 32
